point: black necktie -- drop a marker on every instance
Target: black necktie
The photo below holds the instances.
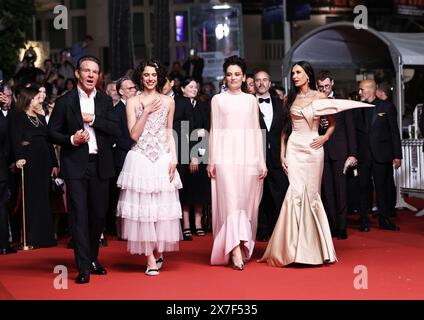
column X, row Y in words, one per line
column 267, row 100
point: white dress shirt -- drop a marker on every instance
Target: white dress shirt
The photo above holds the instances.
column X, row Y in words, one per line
column 5, row 112
column 87, row 106
column 267, row 111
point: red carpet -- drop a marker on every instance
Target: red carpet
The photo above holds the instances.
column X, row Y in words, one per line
column 394, row 261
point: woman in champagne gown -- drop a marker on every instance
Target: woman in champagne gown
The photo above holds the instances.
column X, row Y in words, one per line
column 302, row 233
column 237, row 168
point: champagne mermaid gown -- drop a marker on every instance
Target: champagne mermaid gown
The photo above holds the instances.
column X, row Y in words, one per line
column 302, row 233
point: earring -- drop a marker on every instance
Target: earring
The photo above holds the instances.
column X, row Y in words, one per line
column 308, row 80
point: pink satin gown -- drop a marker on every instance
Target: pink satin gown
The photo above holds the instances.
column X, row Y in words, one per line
column 236, row 151
column 302, row 233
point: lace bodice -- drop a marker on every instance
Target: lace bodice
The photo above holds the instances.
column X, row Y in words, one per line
column 153, row 142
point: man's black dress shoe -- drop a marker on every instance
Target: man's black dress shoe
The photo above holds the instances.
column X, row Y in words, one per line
column 386, row 224
column 342, row 234
column 82, row 278
column 8, row 250
column 97, row 268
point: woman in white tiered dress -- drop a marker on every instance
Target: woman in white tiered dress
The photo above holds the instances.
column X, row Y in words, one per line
column 149, row 202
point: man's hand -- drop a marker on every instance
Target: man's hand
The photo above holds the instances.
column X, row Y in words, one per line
column 87, row 117
column 351, row 161
column 81, row 137
column 397, row 163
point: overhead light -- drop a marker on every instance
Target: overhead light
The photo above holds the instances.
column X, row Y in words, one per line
column 222, row 30
column 221, row 6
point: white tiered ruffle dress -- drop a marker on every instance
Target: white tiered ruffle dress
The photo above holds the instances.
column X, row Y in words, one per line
column 149, row 203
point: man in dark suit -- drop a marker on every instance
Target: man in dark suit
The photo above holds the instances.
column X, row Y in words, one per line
column 83, row 124
column 339, row 153
column 272, row 119
column 126, row 90
column 379, row 150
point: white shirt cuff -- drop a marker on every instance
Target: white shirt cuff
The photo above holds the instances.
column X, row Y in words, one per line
column 72, row 141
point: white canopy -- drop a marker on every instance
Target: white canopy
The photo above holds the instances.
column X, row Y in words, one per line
column 409, row 45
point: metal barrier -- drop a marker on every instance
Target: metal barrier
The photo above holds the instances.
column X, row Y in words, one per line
column 410, row 176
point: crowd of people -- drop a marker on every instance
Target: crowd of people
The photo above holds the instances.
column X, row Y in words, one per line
column 147, row 157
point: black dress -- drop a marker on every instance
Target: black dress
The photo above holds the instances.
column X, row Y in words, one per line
column 30, row 143
column 197, row 188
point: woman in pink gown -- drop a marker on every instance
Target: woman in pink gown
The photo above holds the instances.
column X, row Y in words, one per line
column 302, row 234
column 237, row 168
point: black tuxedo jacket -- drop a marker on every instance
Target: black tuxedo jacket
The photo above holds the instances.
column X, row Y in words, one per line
column 342, row 142
column 377, row 131
column 273, row 136
column 123, row 142
column 66, row 119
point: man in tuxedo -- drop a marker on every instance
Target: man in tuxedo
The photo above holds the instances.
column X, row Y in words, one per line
column 271, row 118
column 83, row 124
column 5, row 102
column 126, row 89
column 379, row 150
column 339, row 153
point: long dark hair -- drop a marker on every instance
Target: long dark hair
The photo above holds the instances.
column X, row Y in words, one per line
column 293, row 92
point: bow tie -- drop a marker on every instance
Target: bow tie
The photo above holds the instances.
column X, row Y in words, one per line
column 267, row 100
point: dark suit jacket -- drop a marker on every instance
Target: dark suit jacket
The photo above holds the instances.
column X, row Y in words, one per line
column 183, row 112
column 4, row 148
column 377, row 131
column 66, row 119
column 342, row 142
column 123, row 142
column 273, row 136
